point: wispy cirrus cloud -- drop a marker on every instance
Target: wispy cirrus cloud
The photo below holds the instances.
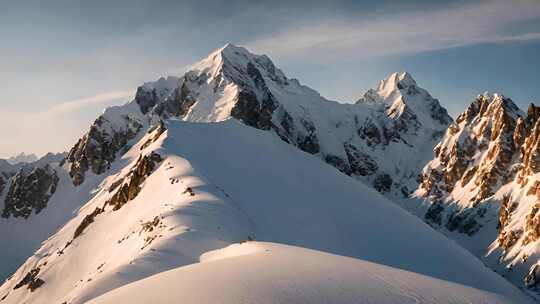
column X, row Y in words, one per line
column 397, row 34
column 99, row 100
column 56, row 128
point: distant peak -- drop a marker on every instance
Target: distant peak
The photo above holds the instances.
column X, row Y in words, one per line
column 406, row 79
column 229, row 52
column 396, row 81
column 230, row 46
column 231, row 49
column 22, row 158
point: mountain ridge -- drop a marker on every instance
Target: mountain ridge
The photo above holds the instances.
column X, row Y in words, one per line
column 383, row 140
column 233, row 83
column 354, row 139
column 193, row 200
column 481, row 187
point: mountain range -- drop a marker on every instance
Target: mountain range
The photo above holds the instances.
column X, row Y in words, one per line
column 235, row 161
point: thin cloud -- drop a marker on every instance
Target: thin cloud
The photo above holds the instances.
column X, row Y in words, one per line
column 397, row 34
column 92, row 101
column 57, row 128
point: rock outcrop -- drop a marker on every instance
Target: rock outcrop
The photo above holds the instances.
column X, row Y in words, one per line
column 485, row 173
column 97, row 149
column 29, row 191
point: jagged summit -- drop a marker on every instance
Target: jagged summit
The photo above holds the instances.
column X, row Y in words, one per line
column 396, row 81
column 231, row 59
column 402, row 99
column 484, row 183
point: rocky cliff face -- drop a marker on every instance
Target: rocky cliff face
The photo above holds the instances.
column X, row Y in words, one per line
column 484, row 183
column 97, row 149
column 398, row 120
column 29, row 191
column 28, row 187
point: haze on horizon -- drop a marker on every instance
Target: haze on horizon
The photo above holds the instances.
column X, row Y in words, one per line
column 61, row 63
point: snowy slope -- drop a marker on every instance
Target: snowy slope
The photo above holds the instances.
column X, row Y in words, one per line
column 397, row 121
column 195, row 188
column 21, row 235
column 256, row 272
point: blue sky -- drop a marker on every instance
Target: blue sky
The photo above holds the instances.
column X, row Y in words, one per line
column 63, row 61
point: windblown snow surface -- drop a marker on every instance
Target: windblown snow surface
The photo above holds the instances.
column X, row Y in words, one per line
column 220, row 184
column 272, row 273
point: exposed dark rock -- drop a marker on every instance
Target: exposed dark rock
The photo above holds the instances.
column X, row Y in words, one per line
column 430, row 180
column 30, row 191
column 309, row 142
column 130, row 187
column 179, row 102
column 115, row 185
column 533, row 113
column 87, row 220
column 531, row 151
column 160, row 129
column 2, row 184
column 286, row 122
column 150, row 225
column 532, row 225
column 189, row 191
column 146, row 99
column 383, row 183
column 508, row 239
column 469, row 174
column 439, row 113
column 504, row 213
column 464, row 221
column 31, row 280
column 248, row 110
column 251, row 111
column 132, row 182
column 338, row 163
column 370, row 133
column 360, row 163
column 434, row 213
column 184, row 99
column 531, row 280
column 97, row 149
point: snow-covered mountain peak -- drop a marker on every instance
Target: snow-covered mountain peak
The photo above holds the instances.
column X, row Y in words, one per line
column 396, row 81
column 234, row 62
column 403, row 100
column 489, row 106
column 484, row 183
column 234, row 83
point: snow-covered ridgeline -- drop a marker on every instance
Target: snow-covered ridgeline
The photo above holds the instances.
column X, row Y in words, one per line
column 191, row 200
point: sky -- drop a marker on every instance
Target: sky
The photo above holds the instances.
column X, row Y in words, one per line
column 63, row 61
